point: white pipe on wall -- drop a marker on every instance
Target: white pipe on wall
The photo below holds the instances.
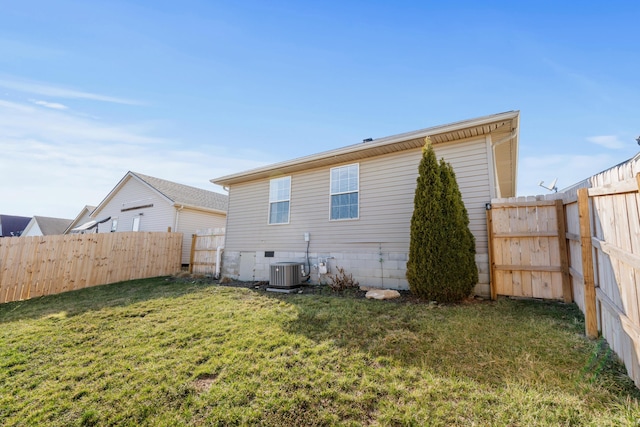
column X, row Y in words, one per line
column 219, row 250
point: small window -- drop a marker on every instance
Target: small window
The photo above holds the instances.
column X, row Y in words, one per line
column 136, row 223
column 279, row 197
column 114, row 224
column 345, row 192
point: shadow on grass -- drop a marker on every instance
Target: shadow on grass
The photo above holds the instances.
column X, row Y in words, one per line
column 488, row 342
column 501, row 342
column 119, row 294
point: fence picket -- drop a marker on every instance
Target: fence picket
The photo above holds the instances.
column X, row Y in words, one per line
column 594, row 260
column 45, row 265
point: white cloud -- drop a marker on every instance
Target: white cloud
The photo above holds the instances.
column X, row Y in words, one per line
column 54, row 162
column 608, row 141
column 53, row 105
column 46, row 89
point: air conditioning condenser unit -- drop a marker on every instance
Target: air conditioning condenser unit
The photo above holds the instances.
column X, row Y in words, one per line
column 285, row 274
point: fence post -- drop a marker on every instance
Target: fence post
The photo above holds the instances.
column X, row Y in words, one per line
column 591, row 322
column 564, row 254
column 193, row 251
column 492, row 285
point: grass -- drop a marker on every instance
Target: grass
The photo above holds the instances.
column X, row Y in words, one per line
column 169, row 352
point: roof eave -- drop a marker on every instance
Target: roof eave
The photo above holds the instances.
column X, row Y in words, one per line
column 348, row 153
column 199, row 208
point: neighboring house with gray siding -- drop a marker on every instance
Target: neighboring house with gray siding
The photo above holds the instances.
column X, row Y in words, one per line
column 46, row 226
column 356, row 203
column 144, row 203
column 12, row 225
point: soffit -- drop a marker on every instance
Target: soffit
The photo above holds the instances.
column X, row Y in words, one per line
column 507, row 122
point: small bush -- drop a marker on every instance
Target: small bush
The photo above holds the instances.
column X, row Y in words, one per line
column 341, row 280
column 182, row 274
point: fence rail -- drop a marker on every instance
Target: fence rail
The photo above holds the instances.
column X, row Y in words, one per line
column 588, row 252
column 46, row 265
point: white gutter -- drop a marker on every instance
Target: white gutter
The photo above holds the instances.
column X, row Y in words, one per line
column 219, row 250
column 376, row 143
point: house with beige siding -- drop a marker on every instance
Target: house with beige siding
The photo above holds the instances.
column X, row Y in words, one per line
column 351, row 207
column 145, row 203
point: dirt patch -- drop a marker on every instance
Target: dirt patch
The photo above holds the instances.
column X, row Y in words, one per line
column 203, row 382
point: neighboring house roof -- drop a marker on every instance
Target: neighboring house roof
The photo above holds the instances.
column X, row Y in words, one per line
column 86, row 211
column 11, row 225
column 176, row 194
column 505, row 150
column 49, row 226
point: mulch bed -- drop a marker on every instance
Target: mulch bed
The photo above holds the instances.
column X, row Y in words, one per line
column 314, row 289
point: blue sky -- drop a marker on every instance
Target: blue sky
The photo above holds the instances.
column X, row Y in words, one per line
column 193, row 90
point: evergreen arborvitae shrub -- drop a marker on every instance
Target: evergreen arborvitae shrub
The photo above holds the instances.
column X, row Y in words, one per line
column 461, row 272
column 423, row 265
column 441, row 264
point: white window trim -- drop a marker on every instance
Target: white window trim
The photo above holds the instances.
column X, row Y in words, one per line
column 135, row 226
column 277, row 201
column 344, row 192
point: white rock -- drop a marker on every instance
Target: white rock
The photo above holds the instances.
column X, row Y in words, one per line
column 382, row 294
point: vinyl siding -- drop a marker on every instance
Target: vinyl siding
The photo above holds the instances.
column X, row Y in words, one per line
column 133, row 193
column 32, row 229
column 387, row 186
column 160, row 217
column 86, row 217
column 190, row 221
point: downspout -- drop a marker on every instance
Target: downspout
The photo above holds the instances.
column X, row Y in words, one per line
column 501, row 141
column 219, row 250
column 175, row 226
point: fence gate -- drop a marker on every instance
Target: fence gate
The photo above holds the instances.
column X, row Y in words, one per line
column 206, row 250
column 527, row 256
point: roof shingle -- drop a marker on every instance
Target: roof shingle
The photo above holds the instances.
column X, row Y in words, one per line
column 185, row 194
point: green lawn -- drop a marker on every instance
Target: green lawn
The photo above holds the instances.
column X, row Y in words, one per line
column 174, row 352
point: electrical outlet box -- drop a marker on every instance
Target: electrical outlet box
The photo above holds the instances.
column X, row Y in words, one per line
column 307, row 236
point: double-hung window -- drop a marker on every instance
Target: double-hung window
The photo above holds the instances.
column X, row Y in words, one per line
column 279, row 197
column 345, row 192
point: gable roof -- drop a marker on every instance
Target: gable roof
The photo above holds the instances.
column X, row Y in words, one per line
column 51, row 226
column 176, row 194
column 11, row 225
column 505, row 155
column 88, row 209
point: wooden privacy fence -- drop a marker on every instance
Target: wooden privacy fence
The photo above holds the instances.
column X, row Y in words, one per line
column 528, row 256
column 46, row 265
column 583, row 246
column 206, row 250
column 611, row 265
